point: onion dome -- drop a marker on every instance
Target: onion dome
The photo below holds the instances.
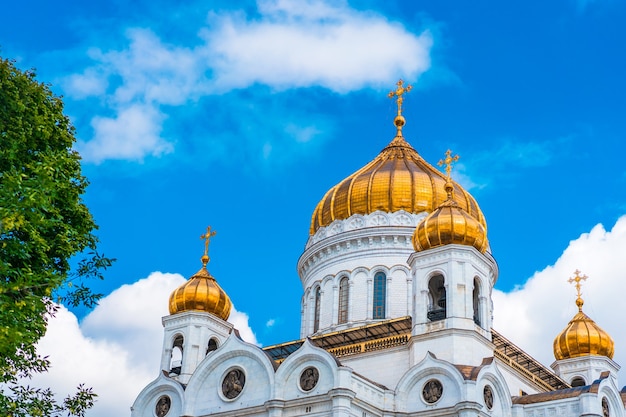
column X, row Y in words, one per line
column 450, row 223
column 582, row 336
column 201, row 292
column 397, row 179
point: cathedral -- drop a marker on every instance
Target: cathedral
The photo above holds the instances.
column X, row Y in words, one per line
column 396, row 319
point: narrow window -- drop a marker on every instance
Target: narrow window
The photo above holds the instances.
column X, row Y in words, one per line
column 212, row 345
column 380, row 294
column 176, row 361
column 436, row 298
column 476, row 301
column 343, row 300
column 316, row 320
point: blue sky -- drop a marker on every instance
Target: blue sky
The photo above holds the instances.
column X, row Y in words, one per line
column 242, row 116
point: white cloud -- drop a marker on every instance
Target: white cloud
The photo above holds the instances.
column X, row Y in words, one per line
column 533, row 314
column 134, row 133
column 313, row 43
column 116, row 349
column 291, row 44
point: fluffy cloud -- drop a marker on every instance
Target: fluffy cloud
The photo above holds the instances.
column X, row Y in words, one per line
column 533, row 314
column 117, row 347
column 290, row 44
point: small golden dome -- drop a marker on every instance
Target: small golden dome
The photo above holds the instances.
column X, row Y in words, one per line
column 397, row 179
column 449, row 224
column 201, row 292
column 582, row 336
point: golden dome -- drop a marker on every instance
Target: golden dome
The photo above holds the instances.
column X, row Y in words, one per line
column 201, row 292
column 397, row 179
column 449, row 224
column 582, row 336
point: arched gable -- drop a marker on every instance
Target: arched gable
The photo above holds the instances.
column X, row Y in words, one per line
column 162, row 388
column 208, row 389
column 410, row 389
column 294, row 378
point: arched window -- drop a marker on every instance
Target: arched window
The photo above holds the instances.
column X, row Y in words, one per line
column 212, row 345
column 176, row 361
column 436, row 298
column 380, row 295
column 476, row 301
column 343, row 300
column 316, row 319
column 578, row 382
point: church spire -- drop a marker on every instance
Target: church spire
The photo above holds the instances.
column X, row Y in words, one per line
column 577, row 278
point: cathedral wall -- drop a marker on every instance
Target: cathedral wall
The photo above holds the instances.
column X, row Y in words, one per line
column 386, row 367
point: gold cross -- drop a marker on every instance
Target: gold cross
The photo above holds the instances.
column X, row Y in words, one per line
column 448, row 162
column 207, row 239
column 399, row 92
column 577, row 278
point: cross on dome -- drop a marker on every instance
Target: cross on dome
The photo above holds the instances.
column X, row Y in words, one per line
column 399, row 92
column 448, row 161
column 207, row 240
column 577, row 278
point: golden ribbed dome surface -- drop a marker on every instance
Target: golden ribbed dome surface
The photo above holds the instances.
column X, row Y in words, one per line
column 583, row 336
column 201, row 293
column 397, row 179
column 449, row 224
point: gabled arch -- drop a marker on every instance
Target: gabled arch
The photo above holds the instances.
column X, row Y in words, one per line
column 163, row 386
column 204, row 395
column 409, row 389
column 290, row 372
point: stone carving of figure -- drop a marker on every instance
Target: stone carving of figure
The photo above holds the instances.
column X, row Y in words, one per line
column 163, row 406
column 605, row 407
column 488, row 397
column 432, row 391
column 309, row 378
column 233, row 383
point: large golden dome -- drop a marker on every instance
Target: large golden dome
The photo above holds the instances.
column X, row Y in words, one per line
column 397, row 179
column 582, row 336
column 449, row 224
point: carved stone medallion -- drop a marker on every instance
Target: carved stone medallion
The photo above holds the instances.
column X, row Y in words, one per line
column 488, row 397
column 163, row 406
column 605, row 407
column 432, row 391
column 309, row 378
column 233, row 383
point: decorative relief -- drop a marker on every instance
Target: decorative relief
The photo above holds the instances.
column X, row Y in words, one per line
column 163, row 406
column 402, row 219
column 355, row 222
column 335, row 227
column 378, row 220
column 488, row 397
column 309, row 378
column 233, row 383
column 432, row 391
column 605, row 407
column 359, row 221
